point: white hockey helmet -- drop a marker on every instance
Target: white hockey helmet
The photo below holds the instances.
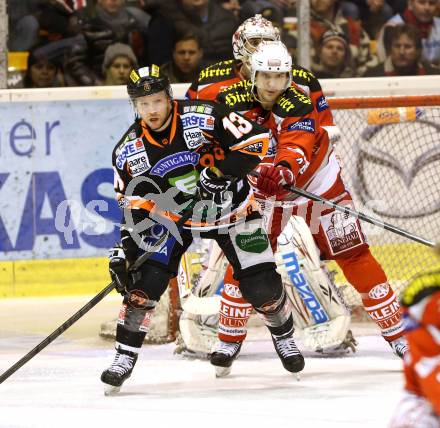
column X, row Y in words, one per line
column 271, row 57
column 255, row 27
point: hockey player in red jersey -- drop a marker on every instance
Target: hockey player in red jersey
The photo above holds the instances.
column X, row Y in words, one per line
column 300, row 154
column 249, row 35
column 173, row 151
column 420, row 405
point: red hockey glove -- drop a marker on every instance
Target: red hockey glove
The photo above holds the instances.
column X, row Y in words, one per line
column 272, row 179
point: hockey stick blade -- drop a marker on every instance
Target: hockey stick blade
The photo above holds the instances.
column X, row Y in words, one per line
column 86, row 308
column 356, row 214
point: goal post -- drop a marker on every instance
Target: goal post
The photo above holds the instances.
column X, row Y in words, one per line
column 389, row 151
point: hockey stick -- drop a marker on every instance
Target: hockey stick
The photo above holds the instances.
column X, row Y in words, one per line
column 356, row 214
column 86, row 308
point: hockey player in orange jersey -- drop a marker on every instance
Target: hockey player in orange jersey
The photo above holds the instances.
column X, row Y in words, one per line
column 420, row 405
column 301, row 154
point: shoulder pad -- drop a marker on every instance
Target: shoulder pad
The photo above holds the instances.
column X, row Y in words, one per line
column 292, row 103
column 302, row 76
column 237, row 96
column 218, row 72
column 131, row 143
column 134, row 132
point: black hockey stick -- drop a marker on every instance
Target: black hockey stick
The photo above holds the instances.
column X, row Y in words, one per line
column 86, row 308
column 356, row 214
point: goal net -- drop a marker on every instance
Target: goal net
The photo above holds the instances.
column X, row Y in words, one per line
column 390, row 155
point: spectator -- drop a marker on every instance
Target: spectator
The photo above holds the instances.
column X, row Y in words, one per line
column 119, row 60
column 43, row 70
column 214, row 24
column 187, row 57
column 373, row 15
column 405, row 54
column 421, row 14
column 327, row 15
column 232, row 5
column 110, row 22
column 333, row 57
column 35, row 22
column 265, row 8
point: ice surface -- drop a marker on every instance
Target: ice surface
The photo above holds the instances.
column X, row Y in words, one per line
column 60, row 387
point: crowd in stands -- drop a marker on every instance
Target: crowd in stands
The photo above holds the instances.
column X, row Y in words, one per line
column 97, row 42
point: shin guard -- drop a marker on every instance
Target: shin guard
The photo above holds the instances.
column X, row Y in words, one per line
column 134, row 320
column 367, row 276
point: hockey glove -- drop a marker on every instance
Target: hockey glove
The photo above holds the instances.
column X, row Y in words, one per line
column 118, row 269
column 212, row 187
column 273, row 179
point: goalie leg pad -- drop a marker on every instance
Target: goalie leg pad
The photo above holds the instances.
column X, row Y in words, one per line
column 234, row 311
column 378, row 297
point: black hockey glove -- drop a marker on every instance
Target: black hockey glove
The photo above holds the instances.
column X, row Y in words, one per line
column 212, row 187
column 118, row 269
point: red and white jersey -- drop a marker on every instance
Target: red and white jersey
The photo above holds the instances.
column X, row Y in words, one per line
column 297, row 137
column 217, row 77
column 421, row 312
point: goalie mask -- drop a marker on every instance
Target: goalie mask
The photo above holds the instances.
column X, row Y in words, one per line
column 147, row 81
column 250, row 33
column 272, row 57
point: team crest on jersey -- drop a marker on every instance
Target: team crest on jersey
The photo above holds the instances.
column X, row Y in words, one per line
column 174, row 161
column 321, row 104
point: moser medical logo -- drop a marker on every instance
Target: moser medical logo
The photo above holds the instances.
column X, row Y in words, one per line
column 307, row 125
column 174, row 161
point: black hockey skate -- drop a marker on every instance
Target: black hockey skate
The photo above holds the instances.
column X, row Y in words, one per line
column 289, row 354
column 119, row 371
column 223, row 356
column 399, row 346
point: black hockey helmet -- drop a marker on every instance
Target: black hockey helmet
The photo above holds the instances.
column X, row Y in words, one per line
column 147, row 81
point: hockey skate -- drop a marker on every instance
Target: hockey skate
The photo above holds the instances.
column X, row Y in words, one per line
column 223, row 356
column 399, row 346
column 119, row 371
column 289, row 354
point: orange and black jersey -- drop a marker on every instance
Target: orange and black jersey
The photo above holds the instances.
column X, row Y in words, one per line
column 201, row 134
column 297, row 138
